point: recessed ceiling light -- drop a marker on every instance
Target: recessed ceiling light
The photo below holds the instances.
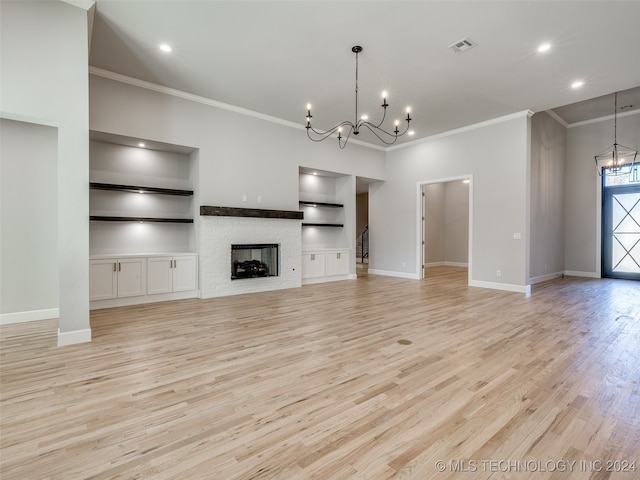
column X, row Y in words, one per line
column 141, row 145
column 544, row 47
column 165, row 47
column 466, row 181
column 315, row 173
column 411, row 132
column 577, row 84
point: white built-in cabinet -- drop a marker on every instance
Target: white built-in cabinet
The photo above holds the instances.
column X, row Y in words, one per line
column 129, row 280
column 336, row 262
column 171, row 274
column 323, row 265
column 117, row 278
column 313, row 265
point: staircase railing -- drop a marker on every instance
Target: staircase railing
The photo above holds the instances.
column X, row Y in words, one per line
column 365, row 243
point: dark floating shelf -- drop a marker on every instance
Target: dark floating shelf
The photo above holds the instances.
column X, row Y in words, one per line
column 94, row 218
column 207, row 210
column 138, row 189
column 321, row 204
column 337, row 225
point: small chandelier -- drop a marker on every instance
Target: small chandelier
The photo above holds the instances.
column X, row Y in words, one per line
column 617, row 159
column 347, row 127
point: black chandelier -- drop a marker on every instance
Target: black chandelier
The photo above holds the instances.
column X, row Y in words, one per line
column 388, row 138
column 617, row 159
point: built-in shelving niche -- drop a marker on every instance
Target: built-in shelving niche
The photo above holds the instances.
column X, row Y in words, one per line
column 322, row 197
column 141, row 199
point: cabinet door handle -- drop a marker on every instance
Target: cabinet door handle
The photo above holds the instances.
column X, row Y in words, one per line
column 313, row 257
column 115, row 269
column 174, row 264
column 338, row 255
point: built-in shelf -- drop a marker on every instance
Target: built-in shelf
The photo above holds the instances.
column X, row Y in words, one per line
column 321, row 204
column 95, row 218
column 139, row 189
column 337, row 225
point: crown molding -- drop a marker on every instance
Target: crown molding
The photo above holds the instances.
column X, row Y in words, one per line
column 84, row 4
column 602, row 119
column 557, row 118
column 475, row 126
column 99, row 72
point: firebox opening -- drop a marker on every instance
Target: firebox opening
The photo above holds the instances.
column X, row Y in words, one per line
column 254, row 261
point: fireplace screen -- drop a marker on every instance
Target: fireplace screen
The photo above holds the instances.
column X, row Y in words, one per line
column 254, row 261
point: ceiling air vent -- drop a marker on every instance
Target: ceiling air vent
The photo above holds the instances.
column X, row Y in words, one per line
column 463, row 45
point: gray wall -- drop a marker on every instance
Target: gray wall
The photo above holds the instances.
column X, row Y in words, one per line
column 496, row 155
column 582, row 188
column 29, row 217
column 548, row 150
column 44, row 81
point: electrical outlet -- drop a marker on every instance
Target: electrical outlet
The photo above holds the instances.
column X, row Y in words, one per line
column 244, row 198
column 259, row 199
column 498, row 273
column 404, row 264
column 517, row 236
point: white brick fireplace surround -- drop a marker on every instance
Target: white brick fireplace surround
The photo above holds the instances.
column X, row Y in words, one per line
column 218, row 233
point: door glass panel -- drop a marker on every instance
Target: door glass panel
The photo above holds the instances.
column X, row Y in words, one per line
column 626, row 233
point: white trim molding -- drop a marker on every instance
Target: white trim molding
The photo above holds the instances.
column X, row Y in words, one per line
column 73, row 337
column 29, row 316
column 507, row 287
column 504, row 118
column 446, row 264
column 544, row 278
column 311, row 281
column 602, row 119
column 389, row 273
column 574, row 273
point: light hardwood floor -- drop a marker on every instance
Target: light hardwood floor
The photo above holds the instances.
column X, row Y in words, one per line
column 312, row 383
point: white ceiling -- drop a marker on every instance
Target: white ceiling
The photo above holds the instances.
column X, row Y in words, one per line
column 275, row 57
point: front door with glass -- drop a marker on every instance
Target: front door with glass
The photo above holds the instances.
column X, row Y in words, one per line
column 621, row 226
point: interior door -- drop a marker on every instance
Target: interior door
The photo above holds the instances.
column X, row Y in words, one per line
column 621, row 230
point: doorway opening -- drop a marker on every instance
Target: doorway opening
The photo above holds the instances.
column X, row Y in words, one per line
column 445, row 229
column 621, row 225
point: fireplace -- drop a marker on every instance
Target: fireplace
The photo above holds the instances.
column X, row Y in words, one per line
column 254, row 260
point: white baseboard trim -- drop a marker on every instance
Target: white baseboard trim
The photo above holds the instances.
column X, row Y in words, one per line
column 389, row 273
column 456, row 264
column 544, row 278
column 526, row 289
column 446, row 264
column 311, row 281
column 127, row 301
column 573, row 273
column 29, row 316
column 73, row 337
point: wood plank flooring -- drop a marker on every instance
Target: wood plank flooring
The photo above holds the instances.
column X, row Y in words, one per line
column 311, row 383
